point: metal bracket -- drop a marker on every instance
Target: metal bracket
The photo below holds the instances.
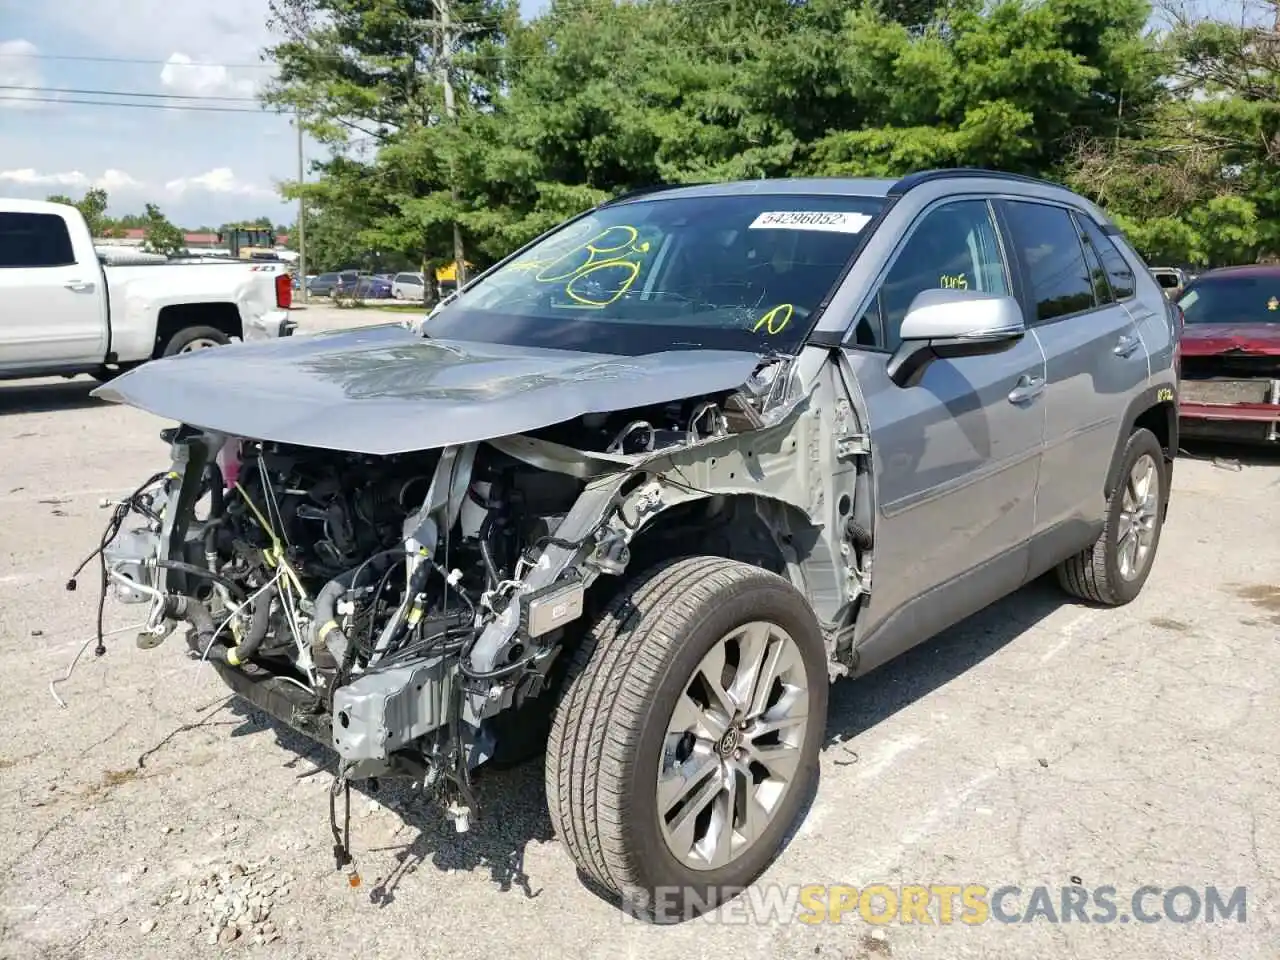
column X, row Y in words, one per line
column 853, row 445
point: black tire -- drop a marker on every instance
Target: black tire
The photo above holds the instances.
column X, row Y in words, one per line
column 189, row 335
column 105, row 374
column 1095, row 574
column 610, row 725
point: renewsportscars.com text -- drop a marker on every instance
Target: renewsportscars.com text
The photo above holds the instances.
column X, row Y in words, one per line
column 945, row 904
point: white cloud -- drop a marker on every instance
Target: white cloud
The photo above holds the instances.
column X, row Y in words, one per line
column 221, row 180
column 18, row 68
column 183, row 76
column 211, row 31
column 111, row 180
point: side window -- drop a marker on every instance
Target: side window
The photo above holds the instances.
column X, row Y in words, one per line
column 1118, row 270
column 954, row 246
column 1097, row 275
column 1046, row 240
column 34, row 240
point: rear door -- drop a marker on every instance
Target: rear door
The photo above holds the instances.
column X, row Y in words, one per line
column 52, row 305
column 1095, row 362
column 956, row 458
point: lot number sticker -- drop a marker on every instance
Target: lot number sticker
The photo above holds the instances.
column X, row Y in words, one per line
column 824, row 220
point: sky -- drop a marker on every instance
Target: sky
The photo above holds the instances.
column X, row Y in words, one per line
column 201, row 167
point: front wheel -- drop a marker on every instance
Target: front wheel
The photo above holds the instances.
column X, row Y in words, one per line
column 195, row 338
column 686, row 741
column 1113, row 571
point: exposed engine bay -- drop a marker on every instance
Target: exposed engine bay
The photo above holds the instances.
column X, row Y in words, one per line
column 410, row 610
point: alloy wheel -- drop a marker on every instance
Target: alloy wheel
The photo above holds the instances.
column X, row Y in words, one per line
column 1139, row 514
column 733, row 746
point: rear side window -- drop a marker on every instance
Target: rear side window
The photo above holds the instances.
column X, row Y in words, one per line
column 1045, row 240
column 1097, row 273
column 1119, row 273
column 34, row 240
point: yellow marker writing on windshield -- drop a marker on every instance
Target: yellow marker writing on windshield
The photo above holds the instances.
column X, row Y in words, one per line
column 776, row 320
column 609, row 251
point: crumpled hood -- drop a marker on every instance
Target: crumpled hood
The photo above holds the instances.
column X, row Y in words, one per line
column 386, row 389
column 1206, row 339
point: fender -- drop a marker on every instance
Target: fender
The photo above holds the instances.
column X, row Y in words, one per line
column 1160, row 400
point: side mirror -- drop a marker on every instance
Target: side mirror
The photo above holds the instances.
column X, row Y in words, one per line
column 947, row 324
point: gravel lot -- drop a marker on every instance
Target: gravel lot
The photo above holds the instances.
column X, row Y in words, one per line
column 1037, row 742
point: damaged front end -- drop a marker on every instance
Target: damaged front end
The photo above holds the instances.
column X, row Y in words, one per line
column 1232, row 393
column 412, row 610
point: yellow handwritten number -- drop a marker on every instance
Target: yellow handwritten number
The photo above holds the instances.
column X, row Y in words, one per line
column 776, row 320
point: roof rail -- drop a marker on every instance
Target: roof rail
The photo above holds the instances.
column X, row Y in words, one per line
column 913, row 180
column 643, row 191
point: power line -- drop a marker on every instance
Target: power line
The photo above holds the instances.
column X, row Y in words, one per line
column 130, row 93
column 459, row 26
column 143, row 106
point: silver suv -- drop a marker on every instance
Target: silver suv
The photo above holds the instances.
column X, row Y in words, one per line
column 638, row 492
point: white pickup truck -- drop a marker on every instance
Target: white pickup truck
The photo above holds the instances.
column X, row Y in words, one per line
column 63, row 311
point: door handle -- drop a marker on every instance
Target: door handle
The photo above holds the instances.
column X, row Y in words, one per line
column 79, row 284
column 1126, row 345
column 1028, row 388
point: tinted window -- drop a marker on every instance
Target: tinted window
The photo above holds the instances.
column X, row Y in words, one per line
column 954, row 246
column 722, row 271
column 1119, row 273
column 1233, row 299
column 1097, row 275
column 1047, row 243
column 34, row 240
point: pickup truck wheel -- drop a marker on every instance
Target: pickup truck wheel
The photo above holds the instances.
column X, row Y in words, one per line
column 195, row 338
column 685, row 743
column 105, row 373
column 1112, row 571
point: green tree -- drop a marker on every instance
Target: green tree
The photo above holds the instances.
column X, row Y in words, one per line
column 93, row 207
column 593, row 98
column 161, row 236
column 1198, row 182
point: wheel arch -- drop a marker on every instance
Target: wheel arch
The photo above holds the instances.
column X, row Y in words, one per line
column 173, row 319
column 754, row 528
column 1154, row 409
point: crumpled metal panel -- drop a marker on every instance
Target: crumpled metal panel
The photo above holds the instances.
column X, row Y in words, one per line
column 385, row 390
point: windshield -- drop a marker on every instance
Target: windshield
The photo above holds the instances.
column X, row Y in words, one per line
column 720, row 272
column 1244, row 299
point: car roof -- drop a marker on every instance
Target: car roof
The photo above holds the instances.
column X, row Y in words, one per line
column 875, row 187
column 1243, row 270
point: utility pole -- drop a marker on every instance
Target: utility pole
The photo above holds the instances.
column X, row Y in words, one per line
column 302, row 219
column 446, row 64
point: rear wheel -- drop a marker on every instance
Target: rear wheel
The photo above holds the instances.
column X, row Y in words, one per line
column 1112, row 571
column 686, row 741
column 195, row 338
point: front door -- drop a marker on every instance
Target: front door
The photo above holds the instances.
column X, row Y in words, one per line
column 52, row 309
column 955, row 459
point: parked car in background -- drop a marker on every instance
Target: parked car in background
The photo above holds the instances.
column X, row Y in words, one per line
column 1231, row 354
column 366, row 287
column 65, row 309
column 325, row 284
column 1172, row 280
column 409, row 286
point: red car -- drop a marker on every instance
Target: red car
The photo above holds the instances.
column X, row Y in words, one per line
column 1231, row 355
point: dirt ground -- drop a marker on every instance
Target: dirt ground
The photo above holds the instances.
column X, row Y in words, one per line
column 1039, row 743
